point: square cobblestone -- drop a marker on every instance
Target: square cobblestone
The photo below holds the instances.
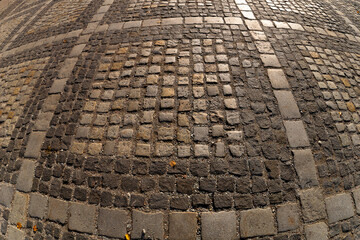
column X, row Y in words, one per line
column 112, row 223
column 82, row 217
column 182, row 226
column 313, row 205
column 339, row 207
column 219, row 226
column 288, row 217
column 152, row 223
column 257, row 222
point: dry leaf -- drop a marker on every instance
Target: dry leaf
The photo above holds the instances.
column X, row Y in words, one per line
column 173, row 163
column 35, row 228
column 127, row 236
column 18, row 225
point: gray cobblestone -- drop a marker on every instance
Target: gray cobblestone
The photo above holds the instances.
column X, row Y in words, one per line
column 305, row 168
column 82, row 217
column 152, row 223
column 182, row 226
column 316, row 231
column 287, row 105
column 296, row 134
column 313, row 206
column 112, row 223
column 35, row 142
column 38, row 205
column 58, row 210
column 257, row 222
column 25, row 179
column 6, row 194
column 220, row 225
column 288, row 217
column 339, row 207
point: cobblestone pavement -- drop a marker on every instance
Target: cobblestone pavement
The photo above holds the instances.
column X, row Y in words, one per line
column 180, row 119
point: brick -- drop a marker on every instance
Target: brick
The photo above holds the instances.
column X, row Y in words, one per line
column 26, row 175
column 6, row 194
column 288, row 217
column 82, row 217
column 317, row 231
column 34, row 144
column 57, row 210
column 218, row 226
column 339, row 207
column 313, row 205
column 257, row 222
column 38, row 205
column 182, row 226
column 296, row 134
column 19, row 206
column 270, row 60
column 152, row 223
column 112, row 223
column 305, row 168
column 287, row 104
column 356, row 195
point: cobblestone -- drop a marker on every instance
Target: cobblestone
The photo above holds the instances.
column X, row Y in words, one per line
column 221, row 225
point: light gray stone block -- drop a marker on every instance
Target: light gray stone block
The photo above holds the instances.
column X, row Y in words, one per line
column 270, row 60
column 26, row 175
column 305, row 168
column 296, row 134
column 339, row 207
column 182, row 226
column 6, row 194
column 356, row 195
column 287, row 104
column 34, row 144
column 82, row 217
column 218, row 226
column 152, row 223
column 253, row 25
column 278, row 79
column 38, row 205
column 58, row 210
column 317, row 231
column 68, row 66
column 257, row 222
column 112, row 223
column 19, row 208
column 288, row 217
column 15, row 234
column 313, row 205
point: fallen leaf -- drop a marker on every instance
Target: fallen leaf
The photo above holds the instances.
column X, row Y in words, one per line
column 35, row 228
column 173, row 163
column 127, row 236
column 18, row 225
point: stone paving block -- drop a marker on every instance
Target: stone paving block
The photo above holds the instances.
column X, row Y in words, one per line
column 50, row 103
column 68, row 66
column 82, row 217
column 38, row 205
column 112, row 223
column 234, row 20
column 182, row 226
column 278, row 79
column 267, row 23
column 151, row 22
column 172, row 21
column 77, row 50
column 34, row 144
column 152, row 223
column 132, row 24
column 313, row 205
column 305, row 168
column 287, row 104
column 58, row 210
column 15, row 234
column 317, row 231
column 296, row 26
column 356, row 195
column 214, row 20
column 248, row 15
column 58, row 86
column 218, row 226
column 193, row 20
column 6, row 194
column 26, row 175
column 296, row 134
column 288, row 217
column 253, row 25
column 281, row 25
column 270, row 60
column 116, row 26
column 339, row 207
column 19, row 208
column 257, row 222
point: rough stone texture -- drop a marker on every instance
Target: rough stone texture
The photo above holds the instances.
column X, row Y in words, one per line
column 257, row 222
column 151, row 222
column 19, row 208
column 182, row 226
column 296, row 134
column 356, row 194
column 287, row 105
column 25, row 179
column 82, row 217
column 220, row 226
column 316, row 231
column 15, row 234
column 112, row 223
column 313, row 206
column 38, row 205
column 288, row 217
column 278, row 79
column 305, row 168
column 339, row 207
column 58, row 210
column 34, row 144
column 6, row 194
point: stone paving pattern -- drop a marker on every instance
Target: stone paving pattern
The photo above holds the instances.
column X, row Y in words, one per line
column 179, row 119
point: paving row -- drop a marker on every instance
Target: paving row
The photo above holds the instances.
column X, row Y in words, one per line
column 179, row 120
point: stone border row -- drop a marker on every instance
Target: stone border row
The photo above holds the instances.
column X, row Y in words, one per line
column 94, row 26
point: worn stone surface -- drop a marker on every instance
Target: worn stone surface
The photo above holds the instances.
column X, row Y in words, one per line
column 356, row 195
column 112, row 223
column 182, row 225
column 305, row 168
column 151, row 222
column 287, row 105
column 339, row 207
column 6, row 194
column 38, row 205
column 58, row 210
column 35, row 142
column 82, row 217
column 316, row 231
column 296, row 134
column 257, row 222
column 25, row 179
column 19, row 208
column 288, row 217
column 313, row 205
column 220, row 225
